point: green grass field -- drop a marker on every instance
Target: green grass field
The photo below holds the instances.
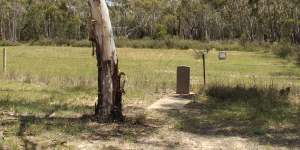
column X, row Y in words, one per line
column 43, row 80
column 145, row 67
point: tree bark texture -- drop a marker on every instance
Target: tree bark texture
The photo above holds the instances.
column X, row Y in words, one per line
column 109, row 105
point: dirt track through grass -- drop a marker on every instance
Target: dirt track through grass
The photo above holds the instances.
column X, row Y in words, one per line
column 170, row 102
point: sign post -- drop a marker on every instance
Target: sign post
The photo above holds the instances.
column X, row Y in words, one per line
column 204, row 70
column 4, row 60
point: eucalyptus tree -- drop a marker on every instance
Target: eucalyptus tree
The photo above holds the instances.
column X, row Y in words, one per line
column 109, row 105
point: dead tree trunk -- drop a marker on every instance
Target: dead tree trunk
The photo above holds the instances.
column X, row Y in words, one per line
column 109, row 105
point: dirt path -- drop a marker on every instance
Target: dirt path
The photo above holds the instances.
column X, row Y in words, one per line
column 185, row 140
column 165, row 136
column 172, row 102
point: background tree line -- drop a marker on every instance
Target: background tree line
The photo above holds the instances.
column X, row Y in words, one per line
column 249, row 20
column 23, row 20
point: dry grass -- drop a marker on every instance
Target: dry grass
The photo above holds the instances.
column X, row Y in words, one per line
column 61, row 82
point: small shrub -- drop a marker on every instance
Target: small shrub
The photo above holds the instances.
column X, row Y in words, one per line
column 62, row 42
column 161, row 31
column 28, row 78
column 184, row 46
column 122, row 42
column 81, row 43
column 169, row 43
column 283, row 50
column 43, row 42
column 243, row 40
column 247, row 93
column 140, row 119
column 8, row 43
column 264, row 44
column 259, row 131
column 56, row 42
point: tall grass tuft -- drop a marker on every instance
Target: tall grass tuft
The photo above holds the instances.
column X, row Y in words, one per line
column 243, row 92
column 263, row 105
column 284, row 50
column 8, row 43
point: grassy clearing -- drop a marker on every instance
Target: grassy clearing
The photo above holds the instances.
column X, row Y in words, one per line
column 74, row 66
column 265, row 114
column 60, row 82
column 150, row 72
column 274, row 124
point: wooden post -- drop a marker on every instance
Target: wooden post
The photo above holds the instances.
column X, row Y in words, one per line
column 202, row 53
column 4, row 60
column 204, row 69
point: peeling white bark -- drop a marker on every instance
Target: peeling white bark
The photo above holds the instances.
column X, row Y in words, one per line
column 109, row 98
column 104, row 33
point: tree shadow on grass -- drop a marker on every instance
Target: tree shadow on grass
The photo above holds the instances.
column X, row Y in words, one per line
column 30, row 126
column 38, row 107
column 35, row 113
column 44, row 101
column 84, row 128
column 267, row 120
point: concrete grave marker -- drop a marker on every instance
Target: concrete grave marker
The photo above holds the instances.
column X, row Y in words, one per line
column 183, row 80
column 222, row 55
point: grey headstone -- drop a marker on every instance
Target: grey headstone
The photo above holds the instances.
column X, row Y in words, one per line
column 222, row 55
column 183, row 80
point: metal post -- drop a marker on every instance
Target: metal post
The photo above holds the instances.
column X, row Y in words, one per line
column 204, row 70
column 4, row 60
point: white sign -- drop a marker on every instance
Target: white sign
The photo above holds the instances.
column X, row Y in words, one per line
column 222, row 55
